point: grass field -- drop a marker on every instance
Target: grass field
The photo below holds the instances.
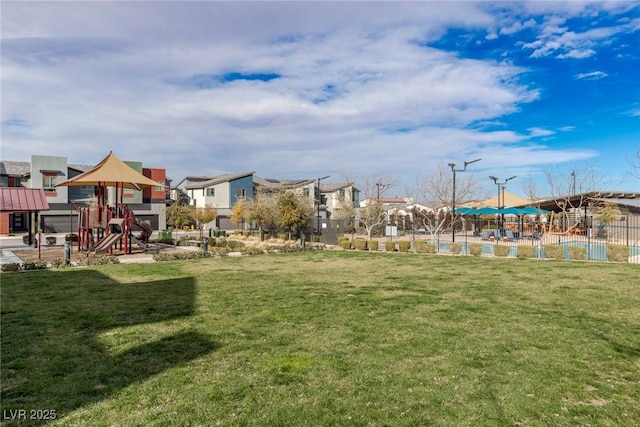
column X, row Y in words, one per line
column 324, row 339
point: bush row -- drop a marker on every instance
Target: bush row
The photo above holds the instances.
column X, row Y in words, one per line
column 615, row 253
column 60, row 263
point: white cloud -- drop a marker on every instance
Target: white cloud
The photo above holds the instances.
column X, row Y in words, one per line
column 593, row 75
column 358, row 89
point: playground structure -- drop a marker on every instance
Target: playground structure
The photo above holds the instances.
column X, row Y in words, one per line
column 101, row 227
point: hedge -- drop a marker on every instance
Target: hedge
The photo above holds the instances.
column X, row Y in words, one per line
column 455, row 248
column 501, row 250
column 525, row 251
column 553, row 252
column 577, row 253
column 617, row 253
column 389, row 246
column 421, row 247
column 475, row 249
column 360, row 244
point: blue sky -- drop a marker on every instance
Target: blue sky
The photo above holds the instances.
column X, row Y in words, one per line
column 308, row 89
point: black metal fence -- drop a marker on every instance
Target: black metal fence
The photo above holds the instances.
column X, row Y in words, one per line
column 583, row 238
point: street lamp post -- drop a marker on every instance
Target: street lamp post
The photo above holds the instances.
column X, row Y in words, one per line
column 453, row 204
column 501, row 186
column 319, row 203
column 384, row 187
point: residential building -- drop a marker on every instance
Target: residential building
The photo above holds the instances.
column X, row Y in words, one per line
column 220, row 192
column 337, row 196
column 48, row 171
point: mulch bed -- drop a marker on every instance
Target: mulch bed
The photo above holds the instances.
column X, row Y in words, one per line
column 49, row 253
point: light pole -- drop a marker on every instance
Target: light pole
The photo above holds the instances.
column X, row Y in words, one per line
column 453, row 205
column 501, row 190
column 384, row 187
column 319, row 202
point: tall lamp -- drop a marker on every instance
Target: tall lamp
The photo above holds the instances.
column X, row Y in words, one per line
column 501, row 190
column 453, row 205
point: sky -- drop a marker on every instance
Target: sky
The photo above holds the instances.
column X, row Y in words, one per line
column 295, row 90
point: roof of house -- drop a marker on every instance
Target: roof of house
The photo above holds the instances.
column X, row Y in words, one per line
column 21, row 199
column 330, row 188
column 11, row 168
column 277, row 184
column 218, row 180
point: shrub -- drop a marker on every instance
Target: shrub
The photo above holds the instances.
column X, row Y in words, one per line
column 246, row 233
column 235, row 244
column 52, row 240
column 103, row 260
column 455, row 248
column 421, row 247
column 501, row 250
column 404, row 245
column 176, row 256
column 360, row 244
column 553, row 252
column 25, row 240
column 59, row 263
column 389, row 246
column 617, row 253
column 283, row 236
column 525, row 251
column 345, row 244
column 577, row 253
column 373, row 245
column 221, row 251
column 71, row 237
column 12, row 266
column 315, row 239
column 37, row 265
column 252, row 250
column 475, row 249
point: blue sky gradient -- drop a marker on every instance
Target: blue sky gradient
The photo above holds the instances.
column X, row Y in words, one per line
column 348, row 89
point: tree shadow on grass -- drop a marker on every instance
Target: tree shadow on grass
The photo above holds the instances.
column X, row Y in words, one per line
column 54, row 324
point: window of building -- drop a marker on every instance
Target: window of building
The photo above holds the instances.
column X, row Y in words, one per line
column 159, row 187
column 242, row 192
column 48, row 182
column 306, row 191
column 341, row 194
column 4, row 181
column 211, row 192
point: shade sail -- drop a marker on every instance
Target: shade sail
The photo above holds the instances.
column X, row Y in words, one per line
column 506, row 199
column 19, row 199
column 111, row 172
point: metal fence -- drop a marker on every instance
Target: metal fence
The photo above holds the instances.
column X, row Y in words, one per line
column 568, row 238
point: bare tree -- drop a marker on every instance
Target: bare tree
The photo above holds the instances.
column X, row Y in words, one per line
column 572, row 193
column 372, row 214
column 635, row 164
column 347, row 212
column 436, row 190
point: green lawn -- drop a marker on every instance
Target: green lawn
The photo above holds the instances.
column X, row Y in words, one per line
column 325, row 338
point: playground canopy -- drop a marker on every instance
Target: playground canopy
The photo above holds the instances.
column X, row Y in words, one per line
column 111, row 172
column 528, row 210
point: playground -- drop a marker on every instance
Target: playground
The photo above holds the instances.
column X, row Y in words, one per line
column 107, row 224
